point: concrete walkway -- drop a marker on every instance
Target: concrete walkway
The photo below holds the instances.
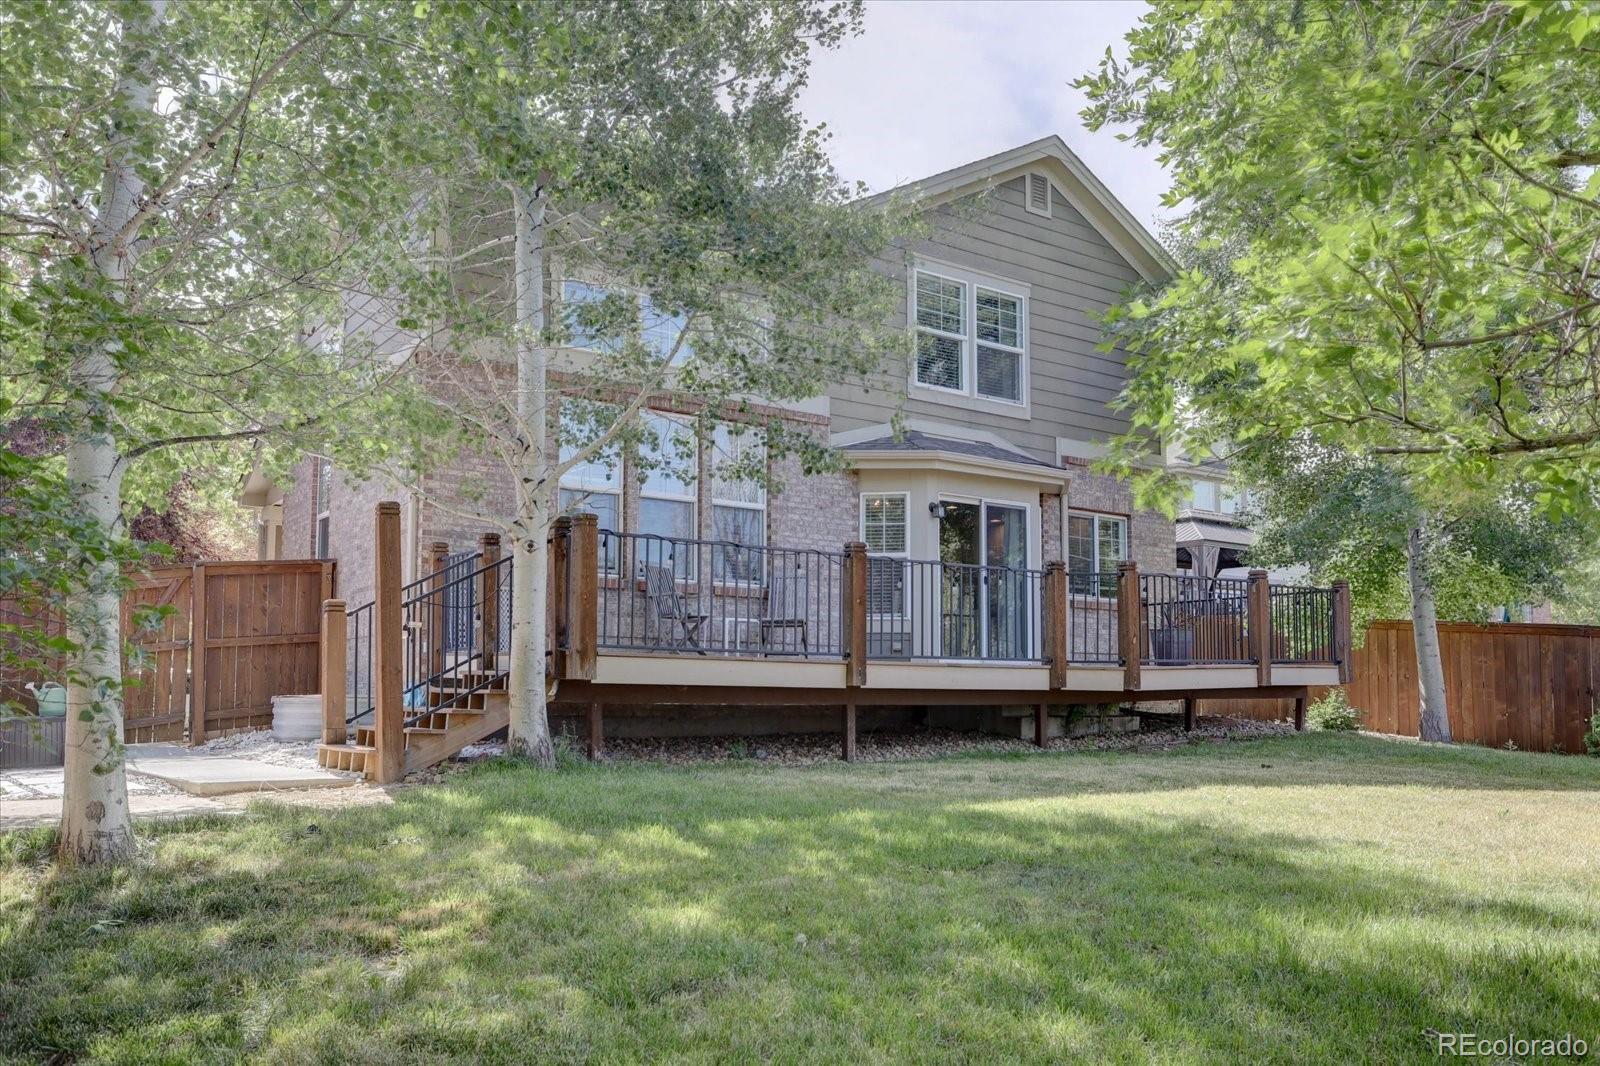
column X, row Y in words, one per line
column 164, row 781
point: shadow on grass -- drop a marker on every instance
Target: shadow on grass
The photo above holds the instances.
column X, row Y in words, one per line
column 641, row 914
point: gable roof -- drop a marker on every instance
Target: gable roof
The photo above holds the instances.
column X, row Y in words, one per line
column 1072, row 177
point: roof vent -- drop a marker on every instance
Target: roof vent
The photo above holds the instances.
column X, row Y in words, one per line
column 1038, row 197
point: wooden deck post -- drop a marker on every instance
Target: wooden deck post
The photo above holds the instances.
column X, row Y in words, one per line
column 1188, row 714
column 1300, row 713
column 1057, row 622
column 853, row 602
column 558, row 598
column 1041, row 724
column 440, row 559
column 594, row 723
column 847, row 747
column 1130, row 624
column 583, row 596
column 333, row 666
column 388, row 645
column 1342, row 649
column 489, row 600
column 1260, row 626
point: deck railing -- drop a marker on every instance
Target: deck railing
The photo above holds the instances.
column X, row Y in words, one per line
column 1194, row 620
column 683, row 594
column 1303, row 624
column 920, row 609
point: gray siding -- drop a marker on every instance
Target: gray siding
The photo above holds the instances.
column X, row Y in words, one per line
column 1072, row 273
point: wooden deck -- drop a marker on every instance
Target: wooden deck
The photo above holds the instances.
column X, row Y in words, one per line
column 638, row 622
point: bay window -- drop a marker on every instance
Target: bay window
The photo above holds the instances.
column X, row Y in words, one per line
column 883, row 531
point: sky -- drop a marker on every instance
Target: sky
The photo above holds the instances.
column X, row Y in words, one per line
column 932, row 84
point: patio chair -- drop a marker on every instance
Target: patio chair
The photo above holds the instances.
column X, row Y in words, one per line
column 668, row 606
column 786, row 607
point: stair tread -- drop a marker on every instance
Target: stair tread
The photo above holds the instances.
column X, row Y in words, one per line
column 346, row 747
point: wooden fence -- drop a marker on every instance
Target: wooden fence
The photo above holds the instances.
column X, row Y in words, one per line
column 236, row 635
column 1530, row 685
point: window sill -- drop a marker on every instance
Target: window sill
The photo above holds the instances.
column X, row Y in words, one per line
column 967, row 401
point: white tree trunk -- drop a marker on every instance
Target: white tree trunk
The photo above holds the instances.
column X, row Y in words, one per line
column 95, row 822
column 530, row 722
column 1433, row 720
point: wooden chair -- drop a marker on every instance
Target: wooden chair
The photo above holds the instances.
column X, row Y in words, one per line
column 668, row 606
column 787, row 597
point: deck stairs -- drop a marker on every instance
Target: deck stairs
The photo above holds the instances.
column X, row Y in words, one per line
column 465, row 706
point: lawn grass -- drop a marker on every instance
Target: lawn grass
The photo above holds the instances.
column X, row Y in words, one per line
column 1309, row 898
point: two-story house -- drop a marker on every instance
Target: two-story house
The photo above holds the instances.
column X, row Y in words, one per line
column 966, row 549
column 1005, row 405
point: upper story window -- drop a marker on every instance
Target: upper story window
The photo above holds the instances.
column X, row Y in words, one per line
column 660, row 330
column 668, row 486
column 971, row 334
column 321, row 507
column 1213, row 496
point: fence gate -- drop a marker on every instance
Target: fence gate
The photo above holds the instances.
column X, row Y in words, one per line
column 155, row 662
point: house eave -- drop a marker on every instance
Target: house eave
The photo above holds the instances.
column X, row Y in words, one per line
column 951, row 462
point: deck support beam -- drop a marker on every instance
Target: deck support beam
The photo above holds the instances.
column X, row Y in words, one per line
column 1041, row 724
column 594, row 728
column 847, row 746
column 1189, row 714
column 1300, row 713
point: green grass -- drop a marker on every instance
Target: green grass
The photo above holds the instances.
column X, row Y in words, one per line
column 1314, row 898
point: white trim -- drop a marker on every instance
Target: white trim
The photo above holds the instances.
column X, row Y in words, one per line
column 971, row 281
column 957, row 463
column 922, row 425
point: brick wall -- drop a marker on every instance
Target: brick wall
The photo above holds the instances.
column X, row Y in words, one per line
column 1152, row 540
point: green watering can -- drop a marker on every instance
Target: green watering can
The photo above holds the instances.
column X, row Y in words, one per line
column 51, row 697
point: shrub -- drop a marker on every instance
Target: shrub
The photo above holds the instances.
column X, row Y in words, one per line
column 1333, row 712
column 1591, row 739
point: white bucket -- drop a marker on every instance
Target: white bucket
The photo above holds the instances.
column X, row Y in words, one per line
column 296, row 717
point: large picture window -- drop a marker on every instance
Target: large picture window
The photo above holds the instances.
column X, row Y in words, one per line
column 971, row 334
column 667, row 489
column 659, row 329
column 738, row 503
column 593, row 486
column 1096, row 543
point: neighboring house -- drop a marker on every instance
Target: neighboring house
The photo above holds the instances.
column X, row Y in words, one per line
column 1003, row 407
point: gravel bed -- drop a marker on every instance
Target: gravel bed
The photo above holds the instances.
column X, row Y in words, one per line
column 263, row 746
column 796, row 749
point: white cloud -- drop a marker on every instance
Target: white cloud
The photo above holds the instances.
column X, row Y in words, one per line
column 931, row 85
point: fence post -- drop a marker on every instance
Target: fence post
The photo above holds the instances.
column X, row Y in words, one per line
column 1130, row 624
column 853, row 602
column 198, row 638
column 1056, row 622
column 1261, row 626
column 388, row 644
column 1342, row 647
column 333, row 672
column 558, row 633
column 441, row 556
column 489, row 599
column 583, row 592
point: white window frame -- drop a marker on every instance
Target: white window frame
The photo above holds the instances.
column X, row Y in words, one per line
column 972, row 281
column 1095, row 518
column 574, row 482
column 692, row 498
column 903, row 554
column 650, row 319
column 742, row 505
column 322, row 522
